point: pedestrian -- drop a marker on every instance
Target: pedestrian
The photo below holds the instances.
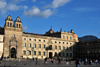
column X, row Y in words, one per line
column 59, row 61
column 70, row 61
column 36, row 61
column 19, row 59
column 0, row 60
column 52, row 61
column 66, row 61
column 77, row 63
column 81, row 61
column 91, row 62
column 96, row 61
column 46, row 61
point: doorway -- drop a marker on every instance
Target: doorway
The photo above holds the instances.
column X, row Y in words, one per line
column 50, row 54
column 13, row 53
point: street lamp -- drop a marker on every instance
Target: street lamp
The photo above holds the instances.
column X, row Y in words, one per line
column 32, row 52
column 63, row 53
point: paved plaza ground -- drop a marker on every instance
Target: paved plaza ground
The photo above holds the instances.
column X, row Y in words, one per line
column 31, row 63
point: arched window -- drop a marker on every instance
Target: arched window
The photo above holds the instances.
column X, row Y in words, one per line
column 8, row 24
column 19, row 25
column 70, row 37
column 34, row 45
column 29, row 44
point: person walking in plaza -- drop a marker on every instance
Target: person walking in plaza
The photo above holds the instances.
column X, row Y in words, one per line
column 36, row 61
column 0, row 60
column 96, row 61
column 77, row 63
column 70, row 61
column 46, row 61
column 59, row 61
column 66, row 61
column 52, row 61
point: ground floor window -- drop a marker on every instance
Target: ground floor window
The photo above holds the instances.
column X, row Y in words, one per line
column 39, row 53
column 44, row 53
column 29, row 52
column 34, row 52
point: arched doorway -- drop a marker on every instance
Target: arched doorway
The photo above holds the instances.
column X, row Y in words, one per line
column 13, row 53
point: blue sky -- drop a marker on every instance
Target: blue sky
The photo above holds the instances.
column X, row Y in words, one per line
column 37, row 16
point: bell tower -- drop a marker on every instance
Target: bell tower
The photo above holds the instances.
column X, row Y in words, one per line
column 8, row 22
column 18, row 24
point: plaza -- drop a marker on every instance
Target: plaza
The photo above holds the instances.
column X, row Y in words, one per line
column 31, row 63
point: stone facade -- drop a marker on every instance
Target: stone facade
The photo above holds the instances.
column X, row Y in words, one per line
column 1, row 44
column 52, row 44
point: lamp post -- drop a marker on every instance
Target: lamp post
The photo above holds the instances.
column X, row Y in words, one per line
column 32, row 52
column 63, row 53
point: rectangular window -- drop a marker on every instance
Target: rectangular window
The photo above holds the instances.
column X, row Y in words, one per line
column 39, row 53
column 43, row 46
column 34, row 45
column 63, row 47
column 39, row 45
column 29, row 44
column 29, row 52
column 67, row 54
column 24, row 52
column 24, row 45
column 66, row 37
column 70, row 54
column 34, row 52
column 55, row 47
column 67, row 48
column 70, row 48
column 59, row 47
column 44, row 53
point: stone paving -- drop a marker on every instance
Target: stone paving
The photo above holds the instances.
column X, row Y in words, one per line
column 31, row 63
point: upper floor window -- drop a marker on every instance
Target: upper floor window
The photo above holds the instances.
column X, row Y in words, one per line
column 24, row 45
column 39, row 40
column 67, row 48
column 43, row 46
column 66, row 37
column 39, row 45
column 9, row 18
column 29, row 44
column 63, row 42
column 63, row 36
column 59, row 42
column 43, row 40
column 55, row 41
column 59, row 47
column 30, row 39
column 70, row 48
column 34, row 45
column 34, row 39
column 24, row 38
column 55, row 47
column 63, row 47
column 70, row 37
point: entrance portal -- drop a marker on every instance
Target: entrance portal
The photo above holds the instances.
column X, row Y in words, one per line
column 13, row 53
column 50, row 54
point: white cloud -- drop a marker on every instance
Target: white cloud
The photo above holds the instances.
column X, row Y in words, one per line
column 25, row 7
column 16, row 1
column 25, row 27
column 35, row 11
column 33, row 0
column 58, row 3
column 2, row 4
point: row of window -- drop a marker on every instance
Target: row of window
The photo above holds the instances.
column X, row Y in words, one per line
column 67, row 37
column 44, row 46
column 10, row 24
column 45, row 41
column 39, row 53
column 29, row 53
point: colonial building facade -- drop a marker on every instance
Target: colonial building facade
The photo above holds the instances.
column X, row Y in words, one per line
column 51, row 44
